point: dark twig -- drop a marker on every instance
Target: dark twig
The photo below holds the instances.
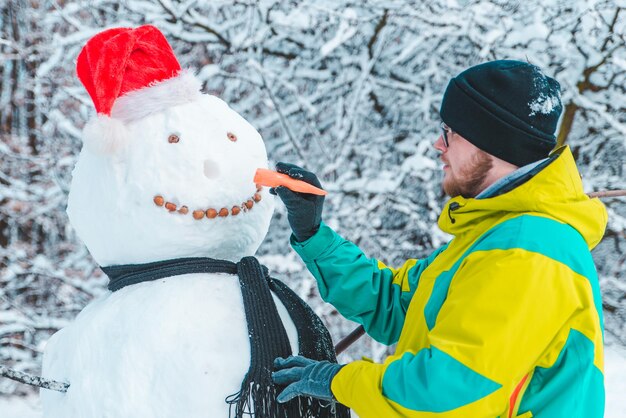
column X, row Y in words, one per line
column 608, row 193
column 349, row 340
column 32, row 380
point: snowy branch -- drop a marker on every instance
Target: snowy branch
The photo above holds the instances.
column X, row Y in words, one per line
column 608, row 193
column 32, row 380
column 283, row 120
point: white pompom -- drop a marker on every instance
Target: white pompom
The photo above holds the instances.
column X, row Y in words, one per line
column 105, row 135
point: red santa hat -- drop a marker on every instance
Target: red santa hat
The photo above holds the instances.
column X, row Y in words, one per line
column 129, row 74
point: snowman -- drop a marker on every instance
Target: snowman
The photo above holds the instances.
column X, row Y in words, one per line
column 162, row 195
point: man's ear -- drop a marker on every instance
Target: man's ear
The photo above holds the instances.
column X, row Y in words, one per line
column 105, row 135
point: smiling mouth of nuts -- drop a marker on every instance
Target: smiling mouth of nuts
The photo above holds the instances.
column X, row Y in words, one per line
column 210, row 213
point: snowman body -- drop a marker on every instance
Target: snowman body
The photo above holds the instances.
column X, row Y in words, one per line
column 177, row 346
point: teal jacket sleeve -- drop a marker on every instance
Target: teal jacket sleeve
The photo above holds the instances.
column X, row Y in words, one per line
column 362, row 289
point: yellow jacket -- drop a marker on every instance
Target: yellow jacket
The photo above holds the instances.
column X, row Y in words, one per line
column 503, row 321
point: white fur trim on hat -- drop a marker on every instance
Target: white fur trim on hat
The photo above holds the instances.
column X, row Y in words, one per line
column 183, row 88
column 105, row 135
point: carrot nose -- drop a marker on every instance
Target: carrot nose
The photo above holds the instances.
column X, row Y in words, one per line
column 270, row 178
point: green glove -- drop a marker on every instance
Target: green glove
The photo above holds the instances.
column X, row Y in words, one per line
column 304, row 377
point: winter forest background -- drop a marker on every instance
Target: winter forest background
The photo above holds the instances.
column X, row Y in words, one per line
column 348, row 88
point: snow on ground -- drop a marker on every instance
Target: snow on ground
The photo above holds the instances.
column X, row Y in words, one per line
column 615, row 373
column 20, row 408
column 615, row 378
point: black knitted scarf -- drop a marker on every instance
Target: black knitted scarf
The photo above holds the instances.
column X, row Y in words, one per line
column 268, row 338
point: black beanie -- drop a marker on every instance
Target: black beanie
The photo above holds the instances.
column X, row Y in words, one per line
column 509, row 109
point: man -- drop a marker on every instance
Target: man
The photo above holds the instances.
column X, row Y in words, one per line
column 503, row 321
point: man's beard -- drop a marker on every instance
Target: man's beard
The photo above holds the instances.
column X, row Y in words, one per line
column 472, row 178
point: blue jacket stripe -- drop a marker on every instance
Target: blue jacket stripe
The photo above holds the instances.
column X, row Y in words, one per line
column 548, row 237
column 385, row 323
column 433, row 381
column 573, row 387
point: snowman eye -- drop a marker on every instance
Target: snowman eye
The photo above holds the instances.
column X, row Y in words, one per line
column 173, row 138
column 232, row 136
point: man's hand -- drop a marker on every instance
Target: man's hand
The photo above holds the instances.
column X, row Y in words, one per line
column 304, row 211
column 304, row 377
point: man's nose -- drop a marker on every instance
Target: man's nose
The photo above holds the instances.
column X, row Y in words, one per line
column 211, row 169
column 439, row 145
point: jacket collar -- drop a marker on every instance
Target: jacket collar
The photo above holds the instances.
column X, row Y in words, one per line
column 556, row 191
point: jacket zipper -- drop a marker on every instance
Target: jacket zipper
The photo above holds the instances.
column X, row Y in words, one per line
column 515, row 395
column 453, row 206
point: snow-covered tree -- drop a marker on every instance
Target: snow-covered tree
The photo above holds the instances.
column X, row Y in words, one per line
column 350, row 89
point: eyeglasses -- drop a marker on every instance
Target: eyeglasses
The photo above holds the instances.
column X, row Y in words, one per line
column 446, row 130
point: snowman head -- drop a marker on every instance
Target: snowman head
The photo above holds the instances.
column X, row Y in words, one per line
column 165, row 171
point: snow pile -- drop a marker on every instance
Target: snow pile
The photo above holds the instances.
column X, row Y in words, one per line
column 614, row 378
column 20, row 407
